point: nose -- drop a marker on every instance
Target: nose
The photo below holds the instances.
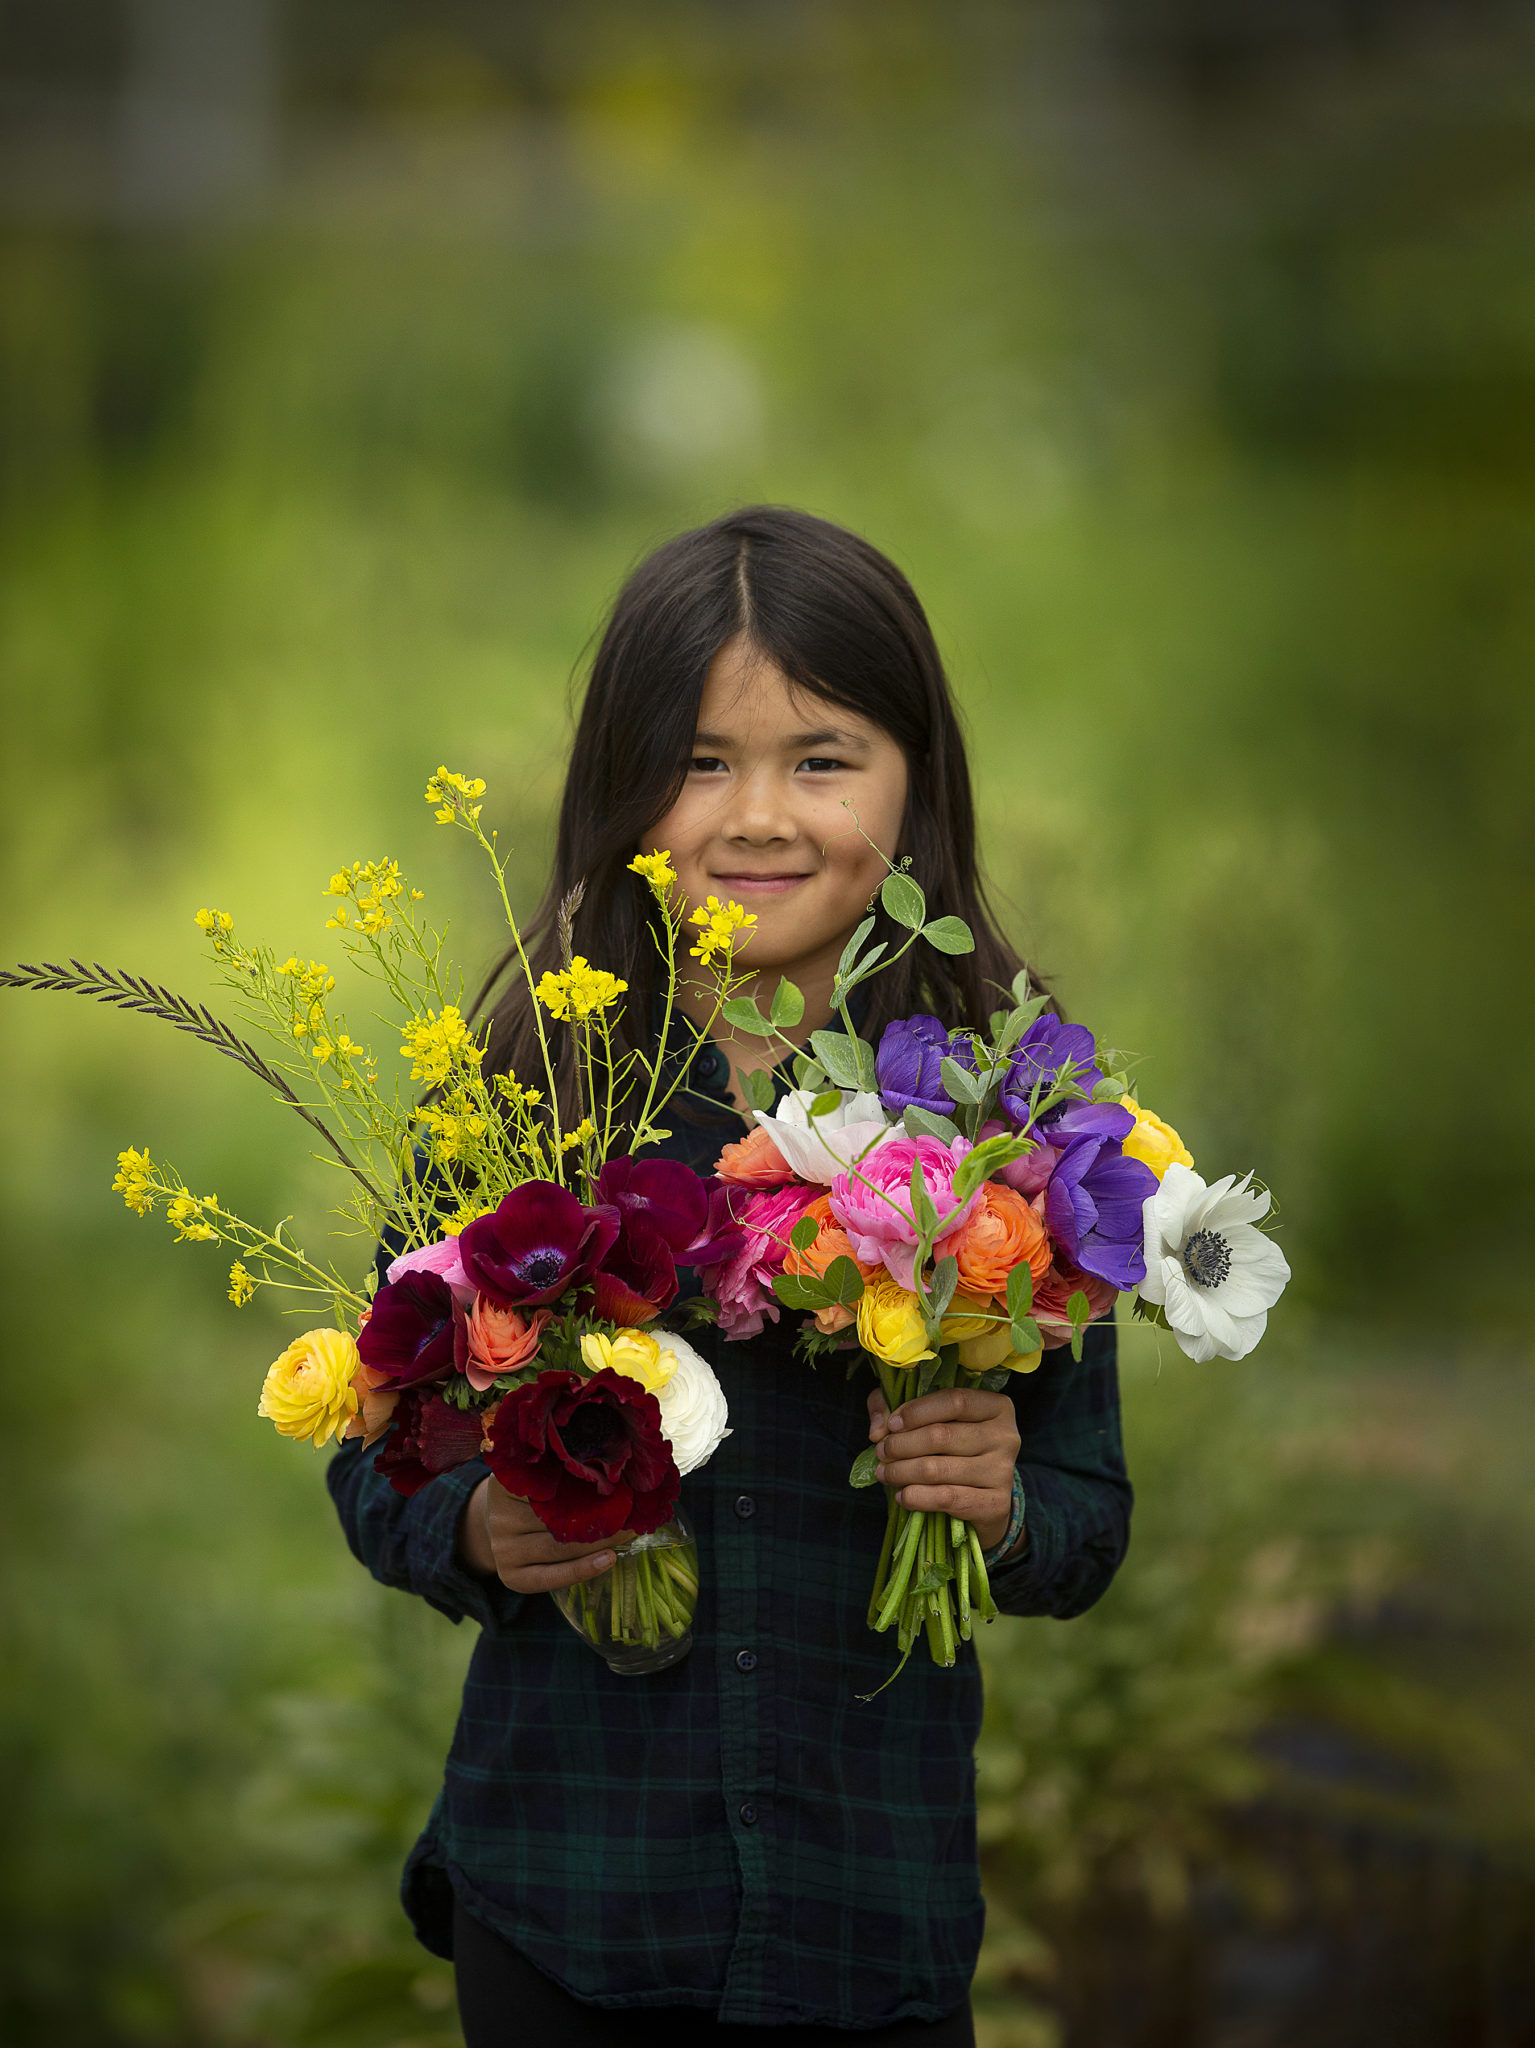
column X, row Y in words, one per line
column 759, row 810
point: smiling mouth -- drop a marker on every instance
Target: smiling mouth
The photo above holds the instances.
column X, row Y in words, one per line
column 761, row 885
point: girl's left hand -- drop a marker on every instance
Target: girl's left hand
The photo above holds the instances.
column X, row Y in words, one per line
column 951, row 1451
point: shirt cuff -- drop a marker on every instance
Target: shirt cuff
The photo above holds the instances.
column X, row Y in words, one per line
column 437, row 1572
column 1022, row 1584
column 998, row 1551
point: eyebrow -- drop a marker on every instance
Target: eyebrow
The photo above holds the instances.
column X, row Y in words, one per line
column 827, row 736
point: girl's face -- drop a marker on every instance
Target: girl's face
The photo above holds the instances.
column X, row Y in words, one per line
column 764, row 817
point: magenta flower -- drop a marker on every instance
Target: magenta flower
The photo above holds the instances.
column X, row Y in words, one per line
column 722, row 1236
column 441, row 1258
column 743, row 1283
column 408, row 1336
column 874, row 1205
column 536, row 1245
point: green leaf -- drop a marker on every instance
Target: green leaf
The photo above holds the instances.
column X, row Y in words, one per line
column 848, row 979
column 938, row 1573
column 922, row 1123
column 960, row 1082
column 825, row 1103
column 1149, row 1312
column 743, row 1015
column 838, row 1054
column 985, row 1160
column 940, row 1288
column 788, row 1005
column 924, row 1214
column 843, row 1283
column 804, row 1234
column 1108, row 1090
column 756, row 1086
column 868, row 1072
column 1023, row 988
column 850, row 950
column 949, row 935
column 904, row 901
column 865, row 1467
column 806, row 1293
column 1025, row 1335
column 1020, row 1291
column 808, row 1073
column 1080, row 1309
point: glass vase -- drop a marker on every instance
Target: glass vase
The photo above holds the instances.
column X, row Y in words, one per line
column 638, row 1615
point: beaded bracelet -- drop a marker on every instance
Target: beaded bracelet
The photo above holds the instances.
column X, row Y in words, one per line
column 1014, row 1526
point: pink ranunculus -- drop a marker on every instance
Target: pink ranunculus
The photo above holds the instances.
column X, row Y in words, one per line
column 743, row 1284
column 441, row 1258
column 875, row 1210
column 1028, row 1174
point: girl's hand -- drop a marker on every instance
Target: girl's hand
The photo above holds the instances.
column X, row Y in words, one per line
column 499, row 1533
column 951, row 1451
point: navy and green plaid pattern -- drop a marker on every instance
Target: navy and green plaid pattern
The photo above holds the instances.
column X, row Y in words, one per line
column 742, row 1833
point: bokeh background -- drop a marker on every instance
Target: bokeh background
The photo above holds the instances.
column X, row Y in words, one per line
column 1184, row 355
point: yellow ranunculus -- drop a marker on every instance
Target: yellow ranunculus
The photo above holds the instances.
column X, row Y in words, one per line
column 308, row 1392
column 1152, row 1142
column 984, row 1354
column 634, row 1353
column 968, row 1318
column 890, row 1324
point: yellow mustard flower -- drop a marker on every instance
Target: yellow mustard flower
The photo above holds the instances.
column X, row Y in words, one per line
column 583, row 1134
column 241, row 1285
column 723, row 927
column 1154, row 1143
column 134, row 1174
column 634, row 1353
column 339, row 885
column 579, row 990
column 454, row 794
column 214, row 921
column 186, row 1211
column 890, row 1324
column 322, row 1050
column 656, row 869
column 308, row 1392
column 434, row 1042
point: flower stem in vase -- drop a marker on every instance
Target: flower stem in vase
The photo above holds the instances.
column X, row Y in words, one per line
column 638, row 1615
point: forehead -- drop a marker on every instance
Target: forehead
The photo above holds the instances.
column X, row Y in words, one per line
column 747, row 696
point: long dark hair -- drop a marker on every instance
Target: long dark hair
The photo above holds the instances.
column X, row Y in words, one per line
column 842, row 623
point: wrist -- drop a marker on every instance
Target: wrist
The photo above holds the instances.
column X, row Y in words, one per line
column 473, row 1542
column 1015, row 1534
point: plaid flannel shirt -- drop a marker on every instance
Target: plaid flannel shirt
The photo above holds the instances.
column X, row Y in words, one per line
column 742, row 1833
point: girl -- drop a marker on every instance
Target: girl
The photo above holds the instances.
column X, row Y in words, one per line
column 741, row 1846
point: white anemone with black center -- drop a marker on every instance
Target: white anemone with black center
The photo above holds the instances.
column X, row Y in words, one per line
column 1212, row 1272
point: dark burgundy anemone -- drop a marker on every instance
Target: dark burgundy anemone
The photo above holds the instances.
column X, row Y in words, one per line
column 721, row 1236
column 538, row 1244
column 587, row 1454
column 408, row 1336
column 429, row 1435
column 636, row 1280
column 662, row 1194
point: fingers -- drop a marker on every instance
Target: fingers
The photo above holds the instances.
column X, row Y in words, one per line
column 879, row 1411
column 985, row 1506
column 949, row 1404
column 948, row 1440
column 549, row 1578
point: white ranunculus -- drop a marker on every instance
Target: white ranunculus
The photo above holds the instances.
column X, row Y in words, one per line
column 819, row 1148
column 1215, row 1275
column 693, row 1410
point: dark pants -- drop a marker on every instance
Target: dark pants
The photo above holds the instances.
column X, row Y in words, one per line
column 503, row 2002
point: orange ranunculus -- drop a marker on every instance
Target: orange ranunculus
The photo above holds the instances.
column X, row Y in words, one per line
column 500, row 1340
column 1002, row 1232
column 375, row 1404
column 1052, row 1294
column 832, row 1242
column 754, row 1162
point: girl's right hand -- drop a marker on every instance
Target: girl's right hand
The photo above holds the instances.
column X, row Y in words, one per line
column 500, row 1533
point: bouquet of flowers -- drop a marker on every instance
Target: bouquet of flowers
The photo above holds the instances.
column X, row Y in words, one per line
column 956, row 1203
column 518, row 1319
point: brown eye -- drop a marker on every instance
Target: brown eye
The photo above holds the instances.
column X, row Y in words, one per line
column 822, row 764
column 704, row 764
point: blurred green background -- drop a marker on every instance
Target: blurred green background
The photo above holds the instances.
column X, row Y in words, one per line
column 1185, row 358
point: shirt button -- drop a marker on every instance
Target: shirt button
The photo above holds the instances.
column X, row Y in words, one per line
column 748, row 1815
column 746, row 1660
column 746, row 1507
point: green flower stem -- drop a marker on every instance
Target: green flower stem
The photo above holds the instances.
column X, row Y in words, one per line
column 538, row 1022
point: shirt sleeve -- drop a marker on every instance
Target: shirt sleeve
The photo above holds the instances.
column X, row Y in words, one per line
column 1077, row 1495
column 412, row 1541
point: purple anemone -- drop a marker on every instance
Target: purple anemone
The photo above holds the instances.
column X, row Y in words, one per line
column 909, row 1064
column 408, row 1336
column 536, row 1245
column 1047, row 1050
column 1095, row 1197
